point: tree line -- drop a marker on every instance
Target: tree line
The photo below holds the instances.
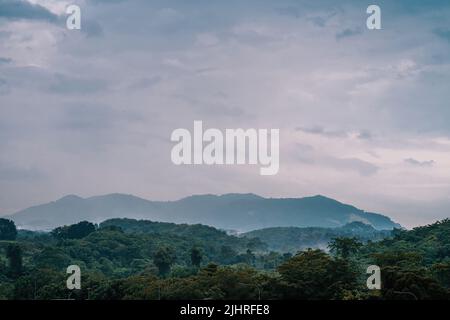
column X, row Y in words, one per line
column 167, row 261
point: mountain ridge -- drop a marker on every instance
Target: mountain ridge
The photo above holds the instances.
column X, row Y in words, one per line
column 231, row 211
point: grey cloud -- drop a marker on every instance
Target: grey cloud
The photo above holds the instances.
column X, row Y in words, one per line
column 365, row 135
column 220, row 109
column 5, row 34
column 95, row 123
column 106, row 1
column 89, row 127
column 64, row 84
column 17, row 9
column 307, row 154
column 86, row 117
column 319, row 130
column 442, row 33
column 322, row 19
column 363, row 167
column 206, row 70
column 5, row 60
column 213, row 107
column 92, row 28
column 293, row 12
column 418, row 163
column 15, row 173
column 348, row 33
column 145, row 83
column 4, row 87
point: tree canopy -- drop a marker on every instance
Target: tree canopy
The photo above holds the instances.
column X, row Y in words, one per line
column 129, row 259
column 8, row 230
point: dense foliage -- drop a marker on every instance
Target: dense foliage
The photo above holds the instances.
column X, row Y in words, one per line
column 130, row 259
column 8, row 230
column 294, row 239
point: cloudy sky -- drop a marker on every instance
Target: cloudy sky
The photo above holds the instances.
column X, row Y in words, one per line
column 364, row 115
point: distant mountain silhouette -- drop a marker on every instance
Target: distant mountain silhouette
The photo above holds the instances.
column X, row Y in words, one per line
column 241, row 212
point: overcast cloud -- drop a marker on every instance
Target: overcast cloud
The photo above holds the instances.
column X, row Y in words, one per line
column 363, row 115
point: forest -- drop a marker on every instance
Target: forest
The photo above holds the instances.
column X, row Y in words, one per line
column 131, row 259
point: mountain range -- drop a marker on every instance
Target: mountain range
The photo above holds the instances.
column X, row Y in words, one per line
column 237, row 212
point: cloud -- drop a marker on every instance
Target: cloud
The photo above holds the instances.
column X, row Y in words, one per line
column 145, row 82
column 65, row 84
column 106, row 1
column 87, row 118
column 365, row 135
column 318, row 157
column 418, row 163
column 5, row 60
column 21, row 9
column 322, row 20
column 92, row 28
column 4, row 87
column 348, row 33
column 290, row 11
column 319, row 130
column 362, row 167
column 16, row 173
column 442, row 33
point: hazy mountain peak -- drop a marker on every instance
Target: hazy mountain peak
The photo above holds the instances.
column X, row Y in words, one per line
column 241, row 196
column 117, row 196
column 70, row 197
column 322, row 198
column 232, row 211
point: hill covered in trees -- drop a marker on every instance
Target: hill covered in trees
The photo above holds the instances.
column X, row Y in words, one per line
column 293, row 239
column 129, row 259
column 239, row 212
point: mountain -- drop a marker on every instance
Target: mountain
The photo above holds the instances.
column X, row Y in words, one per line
column 294, row 239
column 241, row 212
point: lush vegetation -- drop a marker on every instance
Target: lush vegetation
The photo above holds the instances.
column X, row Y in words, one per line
column 130, row 259
column 294, row 239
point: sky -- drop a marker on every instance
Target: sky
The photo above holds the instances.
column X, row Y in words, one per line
column 363, row 114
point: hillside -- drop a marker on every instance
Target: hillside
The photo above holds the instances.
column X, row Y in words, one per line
column 429, row 244
column 129, row 259
column 293, row 239
column 206, row 235
column 240, row 212
column 122, row 247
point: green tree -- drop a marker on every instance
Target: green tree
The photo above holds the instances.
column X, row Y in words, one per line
column 14, row 255
column 8, row 230
column 441, row 272
column 344, row 247
column 75, row 231
column 51, row 258
column 313, row 274
column 196, row 257
column 163, row 260
column 41, row 284
column 227, row 255
column 249, row 258
column 402, row 259
column 255, row 244
column 400, row 284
